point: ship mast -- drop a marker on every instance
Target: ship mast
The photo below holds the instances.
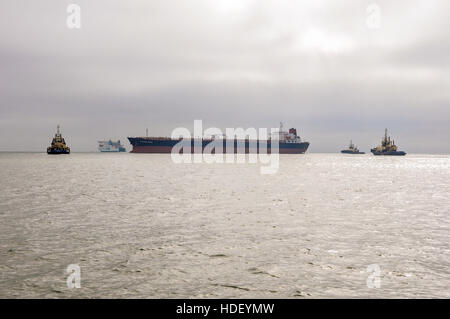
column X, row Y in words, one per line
column 280, row 133
column 58, row 132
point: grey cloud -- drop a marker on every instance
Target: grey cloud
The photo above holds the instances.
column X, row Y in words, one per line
column 162, row 64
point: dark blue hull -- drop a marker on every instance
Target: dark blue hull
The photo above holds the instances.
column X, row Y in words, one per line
column 351, row 152
column 57, row 151
column 392, row 153
column 165, row 145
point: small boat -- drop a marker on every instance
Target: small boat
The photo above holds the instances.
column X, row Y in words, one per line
column 58, row 145
column 352, row 149
column 387, row 147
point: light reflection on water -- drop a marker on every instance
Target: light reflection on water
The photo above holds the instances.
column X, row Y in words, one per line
column 140, row 226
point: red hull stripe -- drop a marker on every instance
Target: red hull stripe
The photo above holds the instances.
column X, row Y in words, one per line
column 168, row 149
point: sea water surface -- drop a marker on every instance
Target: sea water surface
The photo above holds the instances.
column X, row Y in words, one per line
column 139, row 225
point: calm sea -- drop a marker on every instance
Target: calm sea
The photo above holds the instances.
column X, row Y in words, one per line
column 138, row 225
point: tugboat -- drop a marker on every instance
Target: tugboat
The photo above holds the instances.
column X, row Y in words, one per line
column 58, row 144
column 387, row 147
column 289, row 143
column 352, row 149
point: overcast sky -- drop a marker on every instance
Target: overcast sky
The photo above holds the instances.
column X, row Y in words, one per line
column 315, row 65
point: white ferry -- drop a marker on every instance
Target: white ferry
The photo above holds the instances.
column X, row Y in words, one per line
column 110, row 146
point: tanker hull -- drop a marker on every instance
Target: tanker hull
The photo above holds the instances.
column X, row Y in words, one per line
column 165, row 145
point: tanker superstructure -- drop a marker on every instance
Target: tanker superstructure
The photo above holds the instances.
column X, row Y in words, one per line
column 288, row 143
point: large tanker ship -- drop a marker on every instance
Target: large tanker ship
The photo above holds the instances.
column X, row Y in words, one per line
column 289, row 143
